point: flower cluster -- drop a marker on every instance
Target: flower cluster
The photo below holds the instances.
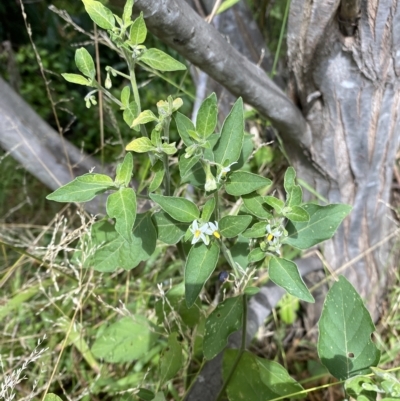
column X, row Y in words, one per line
column 203, row 232
column 272, row 241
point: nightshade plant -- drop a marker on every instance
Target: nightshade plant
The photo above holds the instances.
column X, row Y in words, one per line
column 197, row 224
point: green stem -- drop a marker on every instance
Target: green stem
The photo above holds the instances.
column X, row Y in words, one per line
column 240, row 352
column 167, row 178
column 285, row 17
column 216, row 198
column 228, row 256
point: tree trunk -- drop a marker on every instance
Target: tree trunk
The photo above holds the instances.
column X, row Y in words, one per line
column 345, row 66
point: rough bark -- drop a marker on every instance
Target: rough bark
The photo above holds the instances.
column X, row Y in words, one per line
column 348, row 90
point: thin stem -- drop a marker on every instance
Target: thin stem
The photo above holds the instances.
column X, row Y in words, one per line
column 216, row 198
column 241, row 350
column 228, row 256
column 167, row 178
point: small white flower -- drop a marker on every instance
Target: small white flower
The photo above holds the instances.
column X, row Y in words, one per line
column 200, row 232
column 224, row 171
column 213, row 229
column 273, row 235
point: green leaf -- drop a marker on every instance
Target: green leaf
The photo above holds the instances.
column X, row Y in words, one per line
column 255, row 204
column 208, row 209
column 258, row 230
column 251, row 291
column 231, row 226
column 240, row 250
column 141, row 145
column 288, row 307
column 345, row 327
column 295, row 197
column 161, row 61
column 138, row 30
column 200, row 264
column 170, row 231
column 169, row 148
column 206, row 120
column 159, row 172
column 159, row 396
column 245, row 383
column 82, row 189
column 145, row 394
column 355, row 388
column 184, row 124
column 242, row 183
column 230, row 143
column 130, row 113
column 324, row 221
column 121, row 206
column 127, row 14
column 85, row 63
column 109, row 251
column 125, row 95
column 296, row 213
column 225, row 319
column 77, row 79
column 178, row 208
column 172, row 359
column 275, row 203
column 289, row 179
column 126, row 340
column 144, row 117
column 277, row 379
column 101, row 15
column 256, row 255
column 285, row 273
column 195, row 174
column 52, row 397
column 124, row 171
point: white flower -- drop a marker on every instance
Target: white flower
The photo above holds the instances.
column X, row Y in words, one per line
column 273, row 235
column 224, row 171
column 200, row 232
column 213, row 229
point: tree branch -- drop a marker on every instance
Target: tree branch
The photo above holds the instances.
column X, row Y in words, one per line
column 176, row 24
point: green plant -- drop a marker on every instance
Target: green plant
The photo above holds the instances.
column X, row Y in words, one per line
column 204, row 229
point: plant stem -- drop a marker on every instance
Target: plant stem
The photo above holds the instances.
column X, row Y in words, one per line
column 216, row 198
column 240, row 352
column 228, row 256
column 167, row 178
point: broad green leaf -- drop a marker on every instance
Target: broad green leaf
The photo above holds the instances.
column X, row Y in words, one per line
column 171, row 359
column 180, row 209
column 85, row 63
column 101, row 15
column 138, row 30
column 125, row 96
column 231, row 226
column 242, row 183
column 296, row 213
column 126, row 340
column 324, row 221
column 256, row 205
column 257, row 230
column 82, row 189
column 225, row 319
column 77, row 79
column 245, row 383
column 161, row 61
column 127, row 14
column 256, row 255
column 159, row 172
column 109, row 251
column 141, row 145
column 345, row 327
column 206, row 120
column 285, row 273
column 208, row 209
column 144, row 394
column 240, row 250
column 144, row 117
column 296, row 196
column 52, row 397
column 184, row 124
column 169, row 230
column 247, row 150
column 289, row 179
column 230, row 143
column 130, row 113
column 121, row 206
column 176, row 301
column 192, row 171
column 277, row 379
column 275, row 203
column 200, row 264
column 124, row 171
